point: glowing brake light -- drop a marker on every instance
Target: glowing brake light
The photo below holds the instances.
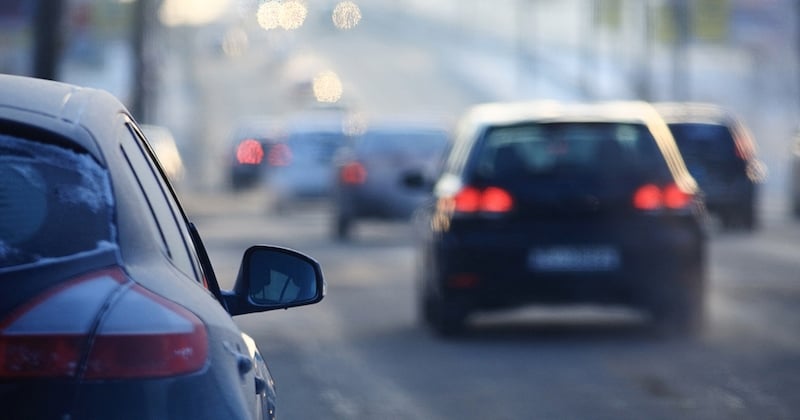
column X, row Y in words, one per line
column 249, row 152
column 279, row 155
column 353, row 173
column 101, row 326
column 651, row 197
column 489, row 200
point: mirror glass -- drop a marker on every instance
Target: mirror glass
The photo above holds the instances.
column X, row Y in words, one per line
column 280, row 278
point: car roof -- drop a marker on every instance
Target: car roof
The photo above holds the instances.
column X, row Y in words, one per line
column 482, row 116
column 69, row 113
column 699, row 112
column 508, row 113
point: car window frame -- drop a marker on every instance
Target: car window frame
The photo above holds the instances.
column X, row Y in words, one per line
column 186, row 247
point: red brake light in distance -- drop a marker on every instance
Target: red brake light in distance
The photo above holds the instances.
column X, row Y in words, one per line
column 279, row 155
column 249, row 152
column 647, row 197
column 468, row 200
column 139, row 335
column 489, row 200
column 353, row 173
column 651, row 197
column 675, row 198
column 496, row 200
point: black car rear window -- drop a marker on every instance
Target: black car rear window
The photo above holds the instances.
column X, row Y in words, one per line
column 567, row 147
column 54, row 203
column 704, row 142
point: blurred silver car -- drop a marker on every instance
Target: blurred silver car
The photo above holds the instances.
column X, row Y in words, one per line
column 370, row 174
column 794, row 180
column 248, row 150
column 298, row 168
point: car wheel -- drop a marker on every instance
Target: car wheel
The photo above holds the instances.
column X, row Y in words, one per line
column 796, row 207
column 447, row 317
column 342, row 228
column 680, row 311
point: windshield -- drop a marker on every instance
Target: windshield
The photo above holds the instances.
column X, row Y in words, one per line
column 43, row 186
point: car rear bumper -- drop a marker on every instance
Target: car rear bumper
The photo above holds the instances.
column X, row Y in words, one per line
column 566, row 262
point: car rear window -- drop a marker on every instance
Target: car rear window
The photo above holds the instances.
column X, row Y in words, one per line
column 54, row 203
column 574, row 147
column 314, row 147
column 422, row 143
column 704, row 142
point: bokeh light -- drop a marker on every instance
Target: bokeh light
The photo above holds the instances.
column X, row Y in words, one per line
column 235, row 42
column 327, row 87
column 268, row 15
column 346, row 15
column 190, row 12
column 288, row 15
column 293, row 14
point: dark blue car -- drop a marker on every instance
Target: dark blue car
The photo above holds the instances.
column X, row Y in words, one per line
column 109, row 307
column 541, row 203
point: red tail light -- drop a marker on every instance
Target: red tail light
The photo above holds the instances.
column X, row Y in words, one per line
column 249, row 152
column 490, row 200
column 651, row 197
column 353, row 173
column 140, row 335
column 279, row 155
column 468, row 200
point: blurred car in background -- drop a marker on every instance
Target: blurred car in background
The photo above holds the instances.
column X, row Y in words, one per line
column 369, row 179
column 169, row 156
column 109, row 306
column 250, row 144
column 722, row 157
column 794, row 177
column 541, row 203
column 298, row 168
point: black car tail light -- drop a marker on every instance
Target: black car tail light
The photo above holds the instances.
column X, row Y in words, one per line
column 463, row 281
column 486, row 200
column 279, row 155
column 249, row 152
column 134, row 335
column 353, row 173
column 653, row 197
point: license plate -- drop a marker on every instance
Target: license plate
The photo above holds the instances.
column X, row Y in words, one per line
column 568, row 258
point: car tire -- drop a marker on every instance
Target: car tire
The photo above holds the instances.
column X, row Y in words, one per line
column 446, row 317
column 680, row 312
column 343, row 227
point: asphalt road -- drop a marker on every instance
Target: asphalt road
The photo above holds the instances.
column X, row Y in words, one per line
column 362, row 354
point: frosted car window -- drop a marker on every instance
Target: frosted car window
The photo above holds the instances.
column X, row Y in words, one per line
column 54, row 203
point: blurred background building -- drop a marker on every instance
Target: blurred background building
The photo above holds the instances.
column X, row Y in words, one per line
column 739, row 53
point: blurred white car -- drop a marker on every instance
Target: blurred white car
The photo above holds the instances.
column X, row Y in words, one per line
column 163, row 143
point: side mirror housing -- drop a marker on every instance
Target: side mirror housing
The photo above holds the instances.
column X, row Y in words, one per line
column 272, row 277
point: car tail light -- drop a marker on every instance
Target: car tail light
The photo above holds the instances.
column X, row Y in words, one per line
column 652, row 197
column 353, row 173
column 279, row 155
column 488, row 200
column 249, row 152
column 106, row 323
column 463, row 281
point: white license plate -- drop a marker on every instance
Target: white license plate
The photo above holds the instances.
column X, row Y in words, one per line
column 568, row 258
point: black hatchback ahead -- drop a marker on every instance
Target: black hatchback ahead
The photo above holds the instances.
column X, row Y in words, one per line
column 109, row 307
column 722, row 156
column 551, row 203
